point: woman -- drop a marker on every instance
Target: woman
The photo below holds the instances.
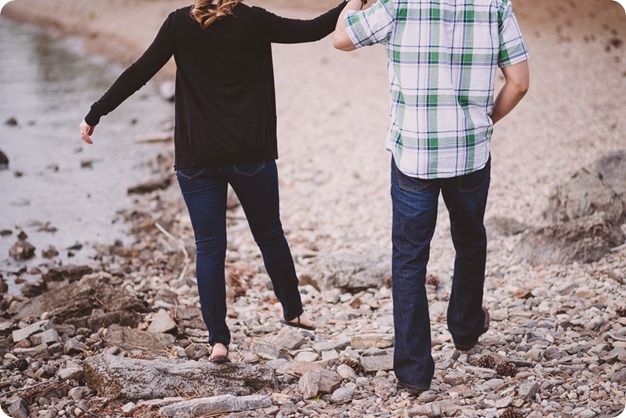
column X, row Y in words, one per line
column 225, row 134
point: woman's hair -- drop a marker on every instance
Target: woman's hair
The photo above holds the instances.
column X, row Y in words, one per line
column 206, row 15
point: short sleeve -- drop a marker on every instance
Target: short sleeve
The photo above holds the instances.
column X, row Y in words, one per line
column 512, row 47
column 371, row 26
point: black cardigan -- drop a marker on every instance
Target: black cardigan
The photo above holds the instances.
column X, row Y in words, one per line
column 225, row 96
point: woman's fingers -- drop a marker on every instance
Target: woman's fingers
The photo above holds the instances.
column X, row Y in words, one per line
column 86, row 131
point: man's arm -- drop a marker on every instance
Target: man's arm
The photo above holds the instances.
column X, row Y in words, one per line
column 517, row 78
column 341, row 40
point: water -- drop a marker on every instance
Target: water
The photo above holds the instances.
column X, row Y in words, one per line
column 48, row 85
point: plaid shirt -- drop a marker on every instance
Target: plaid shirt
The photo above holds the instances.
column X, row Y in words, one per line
column 442, row 64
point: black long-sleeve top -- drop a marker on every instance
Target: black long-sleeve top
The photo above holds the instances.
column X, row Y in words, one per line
column 225, row 101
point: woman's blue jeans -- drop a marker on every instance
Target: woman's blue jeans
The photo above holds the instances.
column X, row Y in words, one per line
column 205, row 192
column 414, row 218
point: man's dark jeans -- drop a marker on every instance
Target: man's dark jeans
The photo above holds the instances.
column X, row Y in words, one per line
column 205, row 192
column 414, row 218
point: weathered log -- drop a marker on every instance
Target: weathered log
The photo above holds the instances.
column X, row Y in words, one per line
column 151, row 186
column 216, row 405
column 127, row 378
column 78, row 300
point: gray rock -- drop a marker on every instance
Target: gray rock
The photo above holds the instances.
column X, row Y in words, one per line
column 298, row 368
column 47, row 337
column 18, row 408
column 504, row 402
column 37, row 327
column 342, row 395
column 318, row 381
column 22, row 250
column 599, row 188
column 222, row 404
column 619, row 377
column 338, row 345
column 528, row 390
column 73, row 346
column 377, row 363
column 371, row 340
column 349, row 271
column 431, row 410
column 290, row 339
column 80, row 392
column 128, row 407
column 269, row 351
column 584, row 194
column 552, row 353
column 70, row 272
column 196, row 351
column 612, row 169
column 308, row 356
column 383, row 387
column 581, row 240
column 162, row 323
column 70, row 373
column 456, row 378
column 4, row 161
column 127, row 378
column 330, row 356
column 346, row 372
column 501, row 225
column 130, row 339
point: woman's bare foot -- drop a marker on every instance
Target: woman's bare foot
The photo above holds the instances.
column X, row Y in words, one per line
column 219, row 354
column 302, row 322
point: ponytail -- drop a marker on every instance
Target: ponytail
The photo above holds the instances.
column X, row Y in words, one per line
column 206, row 15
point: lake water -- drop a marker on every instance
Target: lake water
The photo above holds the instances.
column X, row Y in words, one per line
column 47, row 85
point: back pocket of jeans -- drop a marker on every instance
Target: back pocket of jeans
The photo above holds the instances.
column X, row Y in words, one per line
column 249, row 170
column 412, row 184
column 190, row 173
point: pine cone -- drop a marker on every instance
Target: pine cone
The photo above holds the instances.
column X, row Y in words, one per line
column 20, row 364
column 486, row 362
column 511, row 413
column 354, row 364
column 621, row 312
column 506, row 369
column 432, row 280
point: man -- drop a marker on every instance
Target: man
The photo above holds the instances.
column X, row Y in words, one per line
column 442, row 60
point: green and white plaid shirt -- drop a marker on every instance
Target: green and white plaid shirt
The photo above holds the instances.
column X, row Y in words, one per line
column 443, row 56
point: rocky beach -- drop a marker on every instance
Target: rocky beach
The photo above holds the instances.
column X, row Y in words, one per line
column 121, row 334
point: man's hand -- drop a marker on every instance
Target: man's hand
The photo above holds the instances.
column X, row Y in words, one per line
column 86, row 131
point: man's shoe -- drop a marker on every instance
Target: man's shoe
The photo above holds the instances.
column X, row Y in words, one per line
column 485, row 329
column 412, row 389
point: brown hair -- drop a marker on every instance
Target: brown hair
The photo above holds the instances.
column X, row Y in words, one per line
column 206, row 15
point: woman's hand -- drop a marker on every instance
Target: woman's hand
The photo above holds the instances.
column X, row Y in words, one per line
column 86, row 131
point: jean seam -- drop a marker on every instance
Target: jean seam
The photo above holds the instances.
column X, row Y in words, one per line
column 188, row 178
column 403, row 186
column 247, row 174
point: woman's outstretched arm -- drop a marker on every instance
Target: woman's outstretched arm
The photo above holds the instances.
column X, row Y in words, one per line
column 282, row 30
column 133, row 78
